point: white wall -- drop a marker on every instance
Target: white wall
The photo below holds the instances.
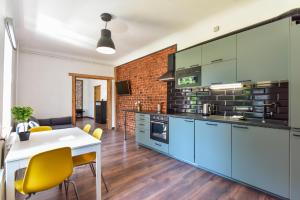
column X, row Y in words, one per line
column 232, row 19
column 88, row 95
column 44, row 84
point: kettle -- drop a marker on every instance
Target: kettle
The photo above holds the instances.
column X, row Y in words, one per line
column 206, row 109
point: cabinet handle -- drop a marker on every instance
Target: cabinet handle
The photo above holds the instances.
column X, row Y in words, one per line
column 157, row 144
column 190, row 121
column 210, row 124
column 217, row 60
column 296, row 130
column 216, row 83
column 142, row 124
column 141, row 131
column 296, row 134
column 244, row 81
column 241, row 127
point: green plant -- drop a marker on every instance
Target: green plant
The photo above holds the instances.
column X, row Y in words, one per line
column 21, row 113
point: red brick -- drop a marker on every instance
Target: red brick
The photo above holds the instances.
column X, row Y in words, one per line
column 143, row 74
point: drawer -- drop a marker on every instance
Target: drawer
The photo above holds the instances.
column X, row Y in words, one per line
column 142, row 129
column 159, row 146
column 142, row 118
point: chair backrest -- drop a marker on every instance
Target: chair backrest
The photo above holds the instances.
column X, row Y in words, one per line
column 98, row 133
column 47, row 170
column 87, row 128
column 40, row 129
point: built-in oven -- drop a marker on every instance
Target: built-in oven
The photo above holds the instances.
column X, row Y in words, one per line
column 188, row 77
column 159, row 128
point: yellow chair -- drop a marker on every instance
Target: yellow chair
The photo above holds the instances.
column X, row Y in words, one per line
column 40, row 129
column 47, row 170
column 89, row 158
column 87, row 128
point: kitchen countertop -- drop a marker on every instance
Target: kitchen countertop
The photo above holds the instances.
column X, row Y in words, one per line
column 277, row 124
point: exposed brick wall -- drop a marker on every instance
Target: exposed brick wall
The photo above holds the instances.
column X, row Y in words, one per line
column 143, row 74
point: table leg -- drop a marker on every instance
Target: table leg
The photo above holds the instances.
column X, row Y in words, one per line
column 98, row 173
column 125, row 131
column 10, row 169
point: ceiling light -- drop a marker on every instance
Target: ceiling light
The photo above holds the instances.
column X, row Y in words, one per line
column 226, row 86
column 105, row 44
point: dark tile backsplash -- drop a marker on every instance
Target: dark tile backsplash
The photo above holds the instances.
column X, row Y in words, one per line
column 252, row 100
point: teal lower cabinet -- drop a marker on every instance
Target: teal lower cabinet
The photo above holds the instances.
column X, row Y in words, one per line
column 213, row 146
column 159, row 146
column 142, row 129
column 260, row 157
column 181, row 139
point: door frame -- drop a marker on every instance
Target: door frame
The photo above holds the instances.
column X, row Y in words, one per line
column 109, row 95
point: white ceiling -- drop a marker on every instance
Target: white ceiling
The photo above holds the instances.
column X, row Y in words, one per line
column 73, row 27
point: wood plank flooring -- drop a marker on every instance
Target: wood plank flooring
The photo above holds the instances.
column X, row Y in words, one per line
column 135, row 173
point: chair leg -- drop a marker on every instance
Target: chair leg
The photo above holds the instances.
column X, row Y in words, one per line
column 93, row 169
column 60, row 186
column 28, row 197
column 75, row 188
column 104, row 182
column 66, row 186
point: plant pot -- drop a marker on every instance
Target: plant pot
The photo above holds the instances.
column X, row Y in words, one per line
column 24, row 136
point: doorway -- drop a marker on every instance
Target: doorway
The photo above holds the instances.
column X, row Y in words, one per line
column 98, row 100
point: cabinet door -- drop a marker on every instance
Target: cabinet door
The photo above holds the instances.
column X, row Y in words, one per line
column 294, row 80
column 189, row 57
column 260, row 157
column 181, row 139
column 219, row 73
column 219, row 50
column 263, row 52
column 142, row 129
column 213, row 146
column 295, row 164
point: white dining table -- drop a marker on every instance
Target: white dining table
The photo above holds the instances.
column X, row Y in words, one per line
column 20, row 152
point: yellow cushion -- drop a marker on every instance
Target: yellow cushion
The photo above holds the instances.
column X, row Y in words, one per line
column 19, row 185
column 84, row 159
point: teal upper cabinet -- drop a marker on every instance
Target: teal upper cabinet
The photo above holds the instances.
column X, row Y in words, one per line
column 213, row 146
column 263, row 52
column 260, row 157
column 219, row 50
column 219, row 73
column 181, row 139
column 188, row 57
column 294, row 80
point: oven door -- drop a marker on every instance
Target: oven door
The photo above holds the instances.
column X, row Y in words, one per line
column 159, row 131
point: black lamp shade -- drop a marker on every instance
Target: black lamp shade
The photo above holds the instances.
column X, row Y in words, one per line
column 105, row 44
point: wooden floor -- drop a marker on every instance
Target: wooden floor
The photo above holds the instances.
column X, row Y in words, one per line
column 136, row 173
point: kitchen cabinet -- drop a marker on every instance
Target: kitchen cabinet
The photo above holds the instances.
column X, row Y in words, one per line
column 263, row 52
column 219, row 50
column 294, row 80
column 142, row 129
column 181, row 139
column 188, row 57
column 219, row 73
column 159, row 146
column 213, row 146
column 295, row 164
column 260, row 157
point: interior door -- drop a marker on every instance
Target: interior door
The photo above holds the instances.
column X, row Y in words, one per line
column 97, row 97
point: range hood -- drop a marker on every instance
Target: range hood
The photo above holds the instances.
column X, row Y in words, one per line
column 169, row 75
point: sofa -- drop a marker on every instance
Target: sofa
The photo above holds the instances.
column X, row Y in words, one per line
column 55, row 123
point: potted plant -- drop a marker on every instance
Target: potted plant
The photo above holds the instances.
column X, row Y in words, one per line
column 21, row 115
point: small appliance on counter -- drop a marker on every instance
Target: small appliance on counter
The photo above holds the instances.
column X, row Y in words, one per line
column 209, row 109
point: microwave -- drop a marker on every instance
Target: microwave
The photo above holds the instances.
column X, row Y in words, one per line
column 188, row 77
